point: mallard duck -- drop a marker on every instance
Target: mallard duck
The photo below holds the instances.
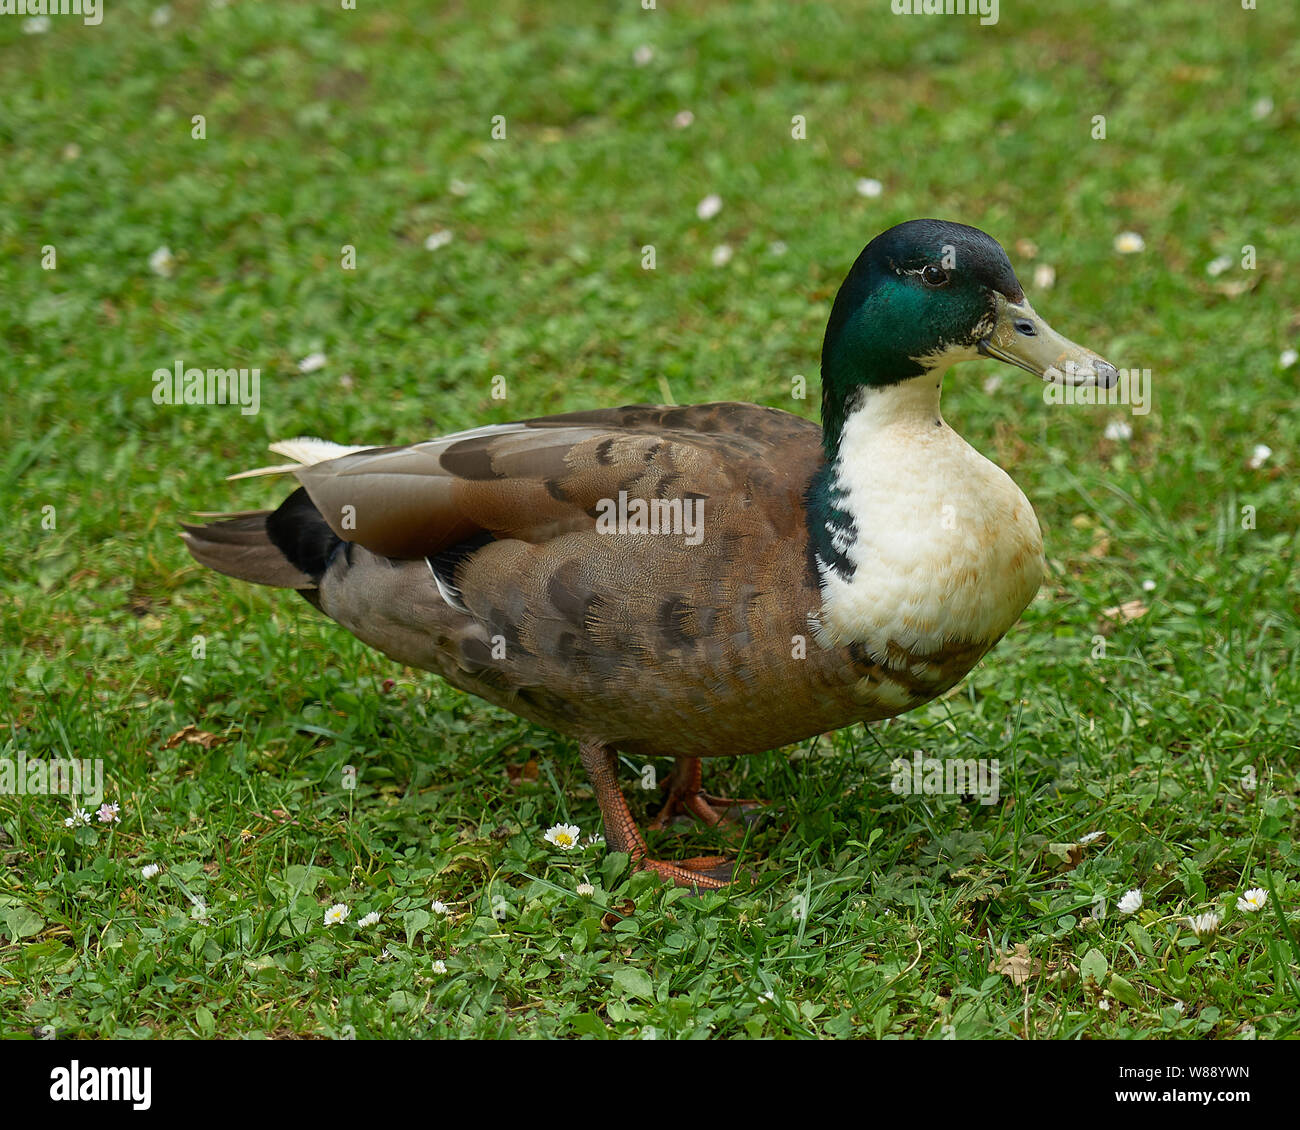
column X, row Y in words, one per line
column 785, row 580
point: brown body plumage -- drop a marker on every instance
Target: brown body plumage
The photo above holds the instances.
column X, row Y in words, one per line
column 640, row 642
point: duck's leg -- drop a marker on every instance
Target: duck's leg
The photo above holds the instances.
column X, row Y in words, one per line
column 709, row 872
column 686, row 793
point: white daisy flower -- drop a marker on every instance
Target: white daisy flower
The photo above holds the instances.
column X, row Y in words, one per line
column 869, row 187
column 1262, row 108
column 439, row 908
column 564, row 836
column 1129, row 243
column 709, row 207
column 682, row 119
column 1044, row 276
column 438, row 239
column 1215, row 267
column 37, row 25
column 1119, row 431
column 371, row 919
column 1259, row 456
column 585, row 889
column 1131, row 903
column 643, row 54
column 79, row 816
column 337, row 914
column 439, row 966
column 312, row 363
column 162, row 262
column 1204, row 925
column 149, row 870
column 1287, row 358
column 1148, row 585
column 1253, row 900
column 721, row 255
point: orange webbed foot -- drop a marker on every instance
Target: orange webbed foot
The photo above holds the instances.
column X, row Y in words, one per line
column 703, row 872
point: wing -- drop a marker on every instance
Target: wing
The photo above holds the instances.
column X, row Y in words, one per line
column 479, row 555
column 536, row 480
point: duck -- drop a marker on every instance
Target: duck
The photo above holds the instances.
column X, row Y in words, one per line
column 702, row 581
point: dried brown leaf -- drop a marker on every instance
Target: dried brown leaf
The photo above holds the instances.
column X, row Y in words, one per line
column 522, row 774
column 1067, row 856
column 617, row 913
column 1120, row 614
column 192, row 734
column 1016, row 964
column 1020, row 967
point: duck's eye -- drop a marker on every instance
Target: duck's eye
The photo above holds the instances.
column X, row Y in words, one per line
column 934, row 276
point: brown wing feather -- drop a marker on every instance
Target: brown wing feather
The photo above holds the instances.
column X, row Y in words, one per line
column 539, row 479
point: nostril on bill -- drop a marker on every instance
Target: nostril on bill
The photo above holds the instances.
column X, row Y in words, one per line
column 1024, row 326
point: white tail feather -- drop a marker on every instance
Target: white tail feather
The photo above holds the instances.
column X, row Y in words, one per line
column 282, row 469
column 305, row 451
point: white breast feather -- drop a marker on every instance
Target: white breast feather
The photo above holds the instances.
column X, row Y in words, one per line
column 947, row 546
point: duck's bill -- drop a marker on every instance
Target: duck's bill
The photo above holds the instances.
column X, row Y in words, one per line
column 1021, row 337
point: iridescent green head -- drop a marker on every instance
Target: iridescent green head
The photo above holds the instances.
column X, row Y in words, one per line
column 925, row 295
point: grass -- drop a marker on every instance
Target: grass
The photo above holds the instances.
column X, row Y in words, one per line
column 865, row 913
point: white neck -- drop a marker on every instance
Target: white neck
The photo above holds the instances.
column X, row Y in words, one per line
column 914, row 401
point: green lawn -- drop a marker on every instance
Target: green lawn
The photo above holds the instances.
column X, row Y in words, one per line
column 864, row 912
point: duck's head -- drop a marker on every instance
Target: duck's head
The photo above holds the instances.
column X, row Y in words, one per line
column 925, row 295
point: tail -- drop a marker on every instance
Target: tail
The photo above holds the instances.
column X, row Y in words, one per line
column 288, row 548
